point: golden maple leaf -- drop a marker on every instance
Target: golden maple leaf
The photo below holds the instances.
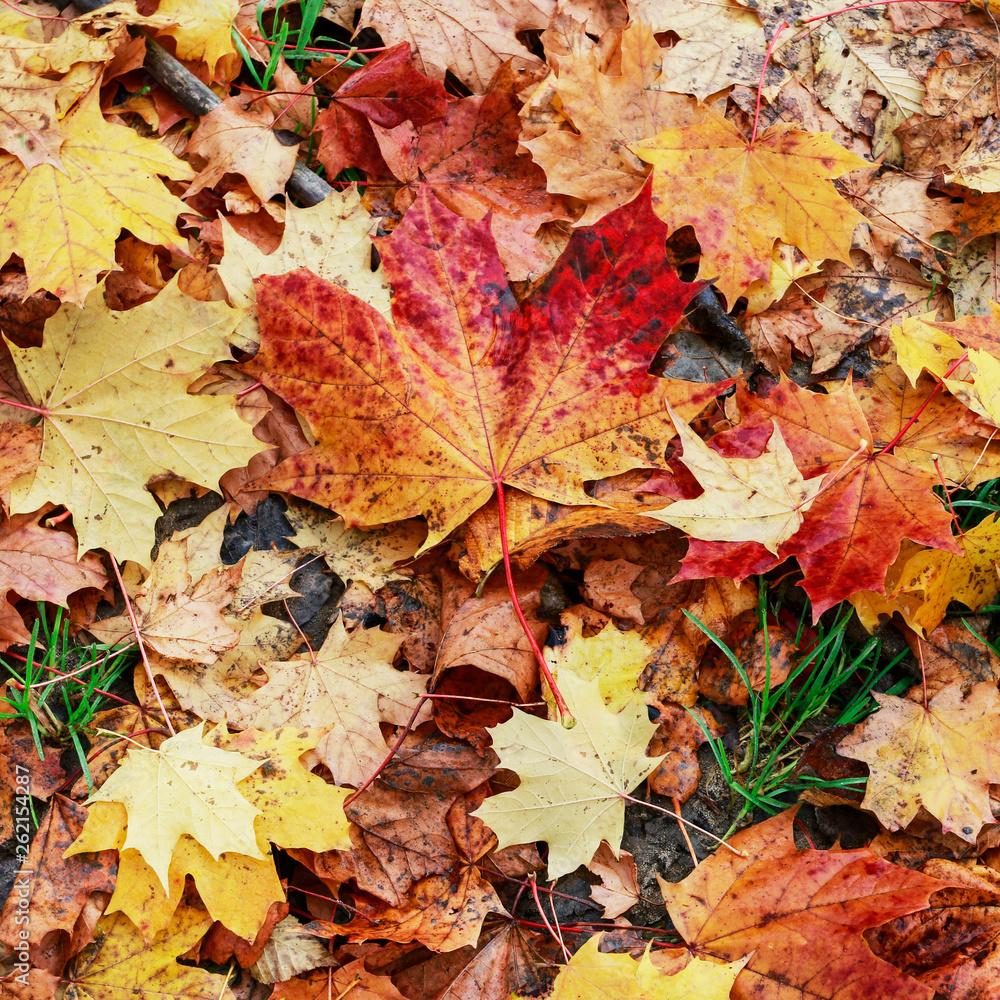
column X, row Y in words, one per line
column 112, row 389
column 941, row 756
column 594, row 975
column 574, row 782
column 741, row 197
column 64, row 223
column 185, row 787
column 120, row 962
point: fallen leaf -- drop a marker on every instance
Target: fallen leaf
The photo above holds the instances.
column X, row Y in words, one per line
column 290, row 951
column 40, row 564
column 940, row 756
column 574, row 782
column 619, row 889
column 352, row 980
column 614, row 658
column 595, row 975
column 114, row 390
column 386, row 91
column 120, row 961
column 239, row 139
column 953, row 946
column 760, row 499
column 202, row 29
column 720, row 44
column 368, row 557
column 582, row 387
column 472, row 41
column 332, row 239
column 469, row 158
column 799, row 914
column 184, row 787
column 587, row 153
column 350, row 683
column 63, row 222
column 781, row 186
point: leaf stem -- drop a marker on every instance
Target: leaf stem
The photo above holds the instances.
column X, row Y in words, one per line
column 141, row 644
column 887, row 449
column 565, row 716
column 763, row 70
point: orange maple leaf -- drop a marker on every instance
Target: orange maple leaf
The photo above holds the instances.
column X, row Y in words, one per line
column 853, row 531
column 469, row 391
column 799, row 914
column 741, row 196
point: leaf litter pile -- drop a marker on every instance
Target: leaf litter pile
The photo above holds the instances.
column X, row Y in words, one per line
column 499, row 500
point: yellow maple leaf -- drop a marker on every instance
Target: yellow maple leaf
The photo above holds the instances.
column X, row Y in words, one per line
column 203, row 29
column 594, row 975
column 758, row 499
column 574, row 782
column 941, row 756
column 740, row 197
column 942, row 577
column 332, row 239
column 119, row 962
column 112, row 388
column 296, row 809
column 64, row 223
column 184, row 787
column 613, row 657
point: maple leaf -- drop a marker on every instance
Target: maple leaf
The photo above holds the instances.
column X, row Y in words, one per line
column 386, row 91
column 331, row 239
column 574, row 782
column 799, row 914
column 935, row 578
column 63, row 223
column 469, row 157
column 612, row 657
column 184, row 787
column 120, row 962
column 238, row 138
column 876, row 496
column 941, row 755
column 471, row 40
column 40, row 564
column 202, row 29
column 587, row 153
column 595, row 975
column 720, row 44
column 350, row 682
column 112, row 388
column 759, row 499
column 296, row 808
column 465, row 380
column 59, row 888
column 367, row 557
column 780, row 189
column 179, row 616
column 352, row 979
column 952, row 946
